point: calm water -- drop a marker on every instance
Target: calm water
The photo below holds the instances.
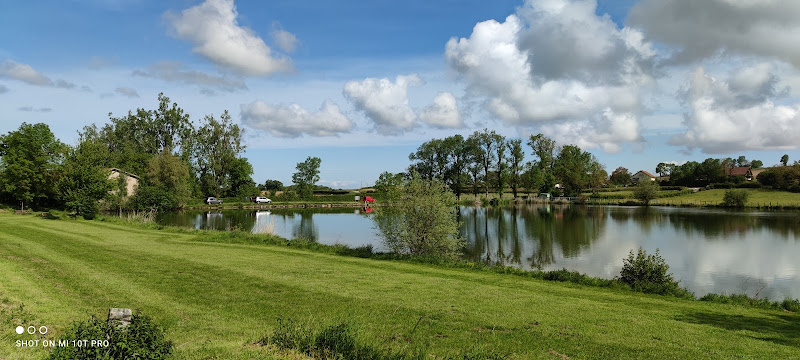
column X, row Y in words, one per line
column 708, row 250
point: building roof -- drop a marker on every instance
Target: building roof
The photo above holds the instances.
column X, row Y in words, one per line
column 646, row 173
column 737, row 171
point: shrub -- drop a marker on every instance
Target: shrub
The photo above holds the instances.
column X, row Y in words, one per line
column 735, row 198
column 421, row 220
column 648, row 273
column 141, row 339
column 720, row 186
column 646, row 191
column 749, row 185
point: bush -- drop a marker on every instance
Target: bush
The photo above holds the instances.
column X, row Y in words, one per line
column 720, row 186
column 646, row 191
column 735, row 198
column 421, row 219
column 648, row 274
column 749, row 185
column 142, row 339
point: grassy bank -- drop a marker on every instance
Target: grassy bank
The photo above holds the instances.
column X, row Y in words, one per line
column 217, row 300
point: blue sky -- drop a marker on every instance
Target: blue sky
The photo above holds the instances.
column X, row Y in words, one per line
column 361, row 84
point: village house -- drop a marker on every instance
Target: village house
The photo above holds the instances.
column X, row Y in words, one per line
column 747, row 172
column 131, row 180
column 642, row 175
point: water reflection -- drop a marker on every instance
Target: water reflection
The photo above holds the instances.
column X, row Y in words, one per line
column 709, row 250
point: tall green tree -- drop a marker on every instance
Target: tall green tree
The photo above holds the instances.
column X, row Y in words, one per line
column 646, row 191
column 84, row 181
column 165, row 184
column 532, row 179
column 573, row 167
column 388, row 181
column 516, row 156
column 621, row 176
column 501, row 166
column 240, row 179
column 215, row 149
column 30, row 163
column 785, row 159
column 484, row 151
column 544, row 148
column 307, row 175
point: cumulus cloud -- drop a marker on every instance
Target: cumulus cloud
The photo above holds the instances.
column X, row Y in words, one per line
column 555, row 64
column 173, row 71
column 126, row 91
column 699, row 29
column 384, row 102
column 215, row 33
column 736, row 114
column 291, row 121
column 23, row 72
column 443, row 113
column 284, row 39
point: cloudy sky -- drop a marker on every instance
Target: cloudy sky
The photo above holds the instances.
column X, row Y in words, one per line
column 361, row 84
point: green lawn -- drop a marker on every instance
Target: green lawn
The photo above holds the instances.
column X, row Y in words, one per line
column 216, row 300
column 757, row 198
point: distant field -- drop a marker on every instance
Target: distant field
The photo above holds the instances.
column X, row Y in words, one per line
column 216, row 300
column 758, row 198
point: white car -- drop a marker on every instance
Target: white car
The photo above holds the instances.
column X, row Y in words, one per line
column 262, row 200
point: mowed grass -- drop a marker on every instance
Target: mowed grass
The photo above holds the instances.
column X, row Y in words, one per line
column 757, row 198
column 217, row 300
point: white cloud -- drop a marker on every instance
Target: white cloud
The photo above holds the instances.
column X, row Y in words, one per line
column 215, row 33
column 385, row 103
column 291, row 121
column 126, row 91
column 558, row 66
column 284, row 39
column 25, row 73
column 32, row 109
column 724, row 116
column 700, row 29
column 443, row 113
column 175, row 72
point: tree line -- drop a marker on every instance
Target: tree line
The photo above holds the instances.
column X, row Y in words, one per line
column 489, row 162
column 174, row 158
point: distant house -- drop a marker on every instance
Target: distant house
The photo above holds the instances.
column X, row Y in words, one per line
column 642, row 175
column 131, row 180
column 744, row 171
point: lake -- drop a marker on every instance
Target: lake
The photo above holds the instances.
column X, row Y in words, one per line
column 708, row 250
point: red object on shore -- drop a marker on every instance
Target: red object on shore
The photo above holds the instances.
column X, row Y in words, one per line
column 369, row 199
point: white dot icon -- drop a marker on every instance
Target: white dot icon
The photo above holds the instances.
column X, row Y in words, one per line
column 20, row 330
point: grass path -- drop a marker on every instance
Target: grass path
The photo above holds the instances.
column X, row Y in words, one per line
column 216, row 300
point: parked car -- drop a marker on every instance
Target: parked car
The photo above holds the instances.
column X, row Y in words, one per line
column 262, row 200
column 212, row 200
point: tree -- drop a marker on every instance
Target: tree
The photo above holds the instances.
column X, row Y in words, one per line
column 572, row 167
column 742, row 161
column 307, row 175
column 532, row 178
column 646, row 191
column 785, row 159
column 84, row 181
column 216, row 146
column 271, row 185
column 458, row 150
column 502, row 166
column 621, row 176
column 241, row 181
column 515, row 166
column 30, row 162
column 544, row 148
column 420, row 219
column 755, row 164
column 165, row 184
column 388, row 181
column 485, row 145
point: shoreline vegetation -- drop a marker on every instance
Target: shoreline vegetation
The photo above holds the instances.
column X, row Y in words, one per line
column 218, row 294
